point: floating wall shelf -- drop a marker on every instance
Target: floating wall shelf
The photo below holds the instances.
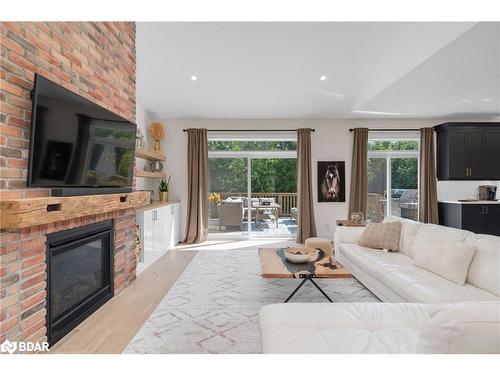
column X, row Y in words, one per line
column 149, row 155
column 148, row 174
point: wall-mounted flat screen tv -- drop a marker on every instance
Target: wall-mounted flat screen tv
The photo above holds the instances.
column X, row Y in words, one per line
column 77, row 143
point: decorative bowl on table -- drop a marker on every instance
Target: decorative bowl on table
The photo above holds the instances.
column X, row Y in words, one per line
column 298, row 254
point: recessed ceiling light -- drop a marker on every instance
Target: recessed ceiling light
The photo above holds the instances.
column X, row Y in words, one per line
column 323, row 78
column 194, row 78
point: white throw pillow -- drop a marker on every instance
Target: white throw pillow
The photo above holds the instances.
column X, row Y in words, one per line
column 408, row 232
column 447, row 259
column 462, row 328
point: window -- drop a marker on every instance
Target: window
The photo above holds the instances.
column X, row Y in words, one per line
column 255, row 183
column 392, row 179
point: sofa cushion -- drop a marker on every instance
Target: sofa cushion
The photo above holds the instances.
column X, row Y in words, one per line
column 484, row 270
column 429, row 234
column 409, row 229
column 447, row 259
column 463, row 328
column 381, row 236
column 342, row 327
column 398, row 273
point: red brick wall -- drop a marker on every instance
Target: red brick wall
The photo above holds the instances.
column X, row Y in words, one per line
column 97, row 61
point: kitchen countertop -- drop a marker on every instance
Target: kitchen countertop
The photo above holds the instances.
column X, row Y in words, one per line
column 472, row 202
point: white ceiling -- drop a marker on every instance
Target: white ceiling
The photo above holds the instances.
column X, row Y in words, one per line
column 272, row 70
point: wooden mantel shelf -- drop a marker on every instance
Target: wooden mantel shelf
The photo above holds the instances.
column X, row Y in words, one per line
column 28, row 212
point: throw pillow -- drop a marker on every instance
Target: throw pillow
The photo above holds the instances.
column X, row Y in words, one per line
column 447, row 259
column 381, row 236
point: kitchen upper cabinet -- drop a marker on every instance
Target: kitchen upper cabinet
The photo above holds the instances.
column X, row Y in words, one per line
column 492, row 153
column 468, row 151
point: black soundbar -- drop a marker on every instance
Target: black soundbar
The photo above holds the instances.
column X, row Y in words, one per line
column 72, row 192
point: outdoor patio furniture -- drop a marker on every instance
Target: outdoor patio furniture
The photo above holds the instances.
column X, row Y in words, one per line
column 231, row 212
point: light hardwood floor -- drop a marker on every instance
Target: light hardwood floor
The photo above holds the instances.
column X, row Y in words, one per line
column 110, row 329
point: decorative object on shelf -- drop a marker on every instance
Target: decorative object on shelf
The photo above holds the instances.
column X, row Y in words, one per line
column 163, row 189
column 214, row 199
column 157, row 132
column 151, row 195
column 331, row 181
column 139, row 138
column 156, row 166
column 357, row 217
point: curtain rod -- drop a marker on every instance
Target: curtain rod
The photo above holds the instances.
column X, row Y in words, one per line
column 391, row 129
column 251, row 130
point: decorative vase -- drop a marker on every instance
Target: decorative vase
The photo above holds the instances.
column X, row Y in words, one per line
column 163, row 196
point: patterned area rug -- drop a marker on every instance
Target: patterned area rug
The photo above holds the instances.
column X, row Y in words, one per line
column 214, row 306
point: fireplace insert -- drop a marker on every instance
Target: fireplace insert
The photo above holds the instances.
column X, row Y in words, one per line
column 80, row 275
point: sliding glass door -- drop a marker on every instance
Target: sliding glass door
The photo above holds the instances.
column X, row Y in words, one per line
column 252, row 187
column 228, row 192
column 274, row 196
column 392, row 179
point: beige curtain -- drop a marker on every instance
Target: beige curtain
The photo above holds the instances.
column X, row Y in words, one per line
column 427, row 196
column 359, row 172
column 305, row 217
column 197, row 205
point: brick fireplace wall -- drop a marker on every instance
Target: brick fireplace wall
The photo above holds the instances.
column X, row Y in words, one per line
column 96, row 60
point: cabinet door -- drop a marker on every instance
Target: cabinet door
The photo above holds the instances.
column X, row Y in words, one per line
column 492, row 155
column 147, row 230
column 474, row 154
column 169, row 222
column 471, row 217
column 177, row 224
column 490, row 219
column 457, row 155
column 159, row 230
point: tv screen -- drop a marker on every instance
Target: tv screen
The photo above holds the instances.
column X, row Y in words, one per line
column 77, row 143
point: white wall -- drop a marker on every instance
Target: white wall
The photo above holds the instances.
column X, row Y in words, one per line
column 454, row 190
column 331, row 141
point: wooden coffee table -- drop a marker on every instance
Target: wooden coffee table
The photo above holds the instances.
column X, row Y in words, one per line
column 274, row 265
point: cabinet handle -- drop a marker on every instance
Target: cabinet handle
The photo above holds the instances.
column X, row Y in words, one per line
column 466, row 171
column 470, row 171
column 486, row 210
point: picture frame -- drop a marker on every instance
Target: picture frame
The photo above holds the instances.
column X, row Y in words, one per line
column 331, row 181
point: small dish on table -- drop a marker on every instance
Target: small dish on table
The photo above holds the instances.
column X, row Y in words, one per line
column 299, row 254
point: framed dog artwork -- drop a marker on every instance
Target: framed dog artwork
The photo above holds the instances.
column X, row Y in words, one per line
column 331, row 181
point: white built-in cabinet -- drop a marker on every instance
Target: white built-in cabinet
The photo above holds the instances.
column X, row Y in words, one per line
column 160, row 229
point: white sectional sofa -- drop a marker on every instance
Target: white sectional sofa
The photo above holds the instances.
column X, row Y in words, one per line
column 427, row 314
column 380, row 328
column 393, row 277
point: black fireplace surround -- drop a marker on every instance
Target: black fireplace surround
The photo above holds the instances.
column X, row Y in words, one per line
column 80, row 275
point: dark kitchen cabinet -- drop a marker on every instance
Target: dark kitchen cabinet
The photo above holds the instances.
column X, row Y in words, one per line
column 477, row 218
column 468, row 151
